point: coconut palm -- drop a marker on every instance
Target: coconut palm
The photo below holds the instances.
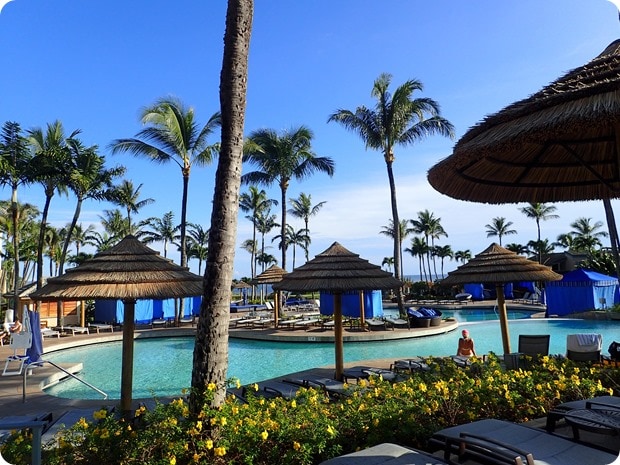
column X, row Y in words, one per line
column 397, row 119
column 173, row 135
column 15, row 170
column 162, row 230
column 265, row 223
column 430, row 226
column 302, row 208
column 587, row 236
column 115, row 224
column 294, row 238
column 499, row 227
column 564, row 240
column 539, row 212
column 388, row 262
column 52, row 165
column 540, row 248
column 102, row 240
column 281, row 158
column 419, row 248
column 443, row 252
column 403, row 232
column 210, row 362
column 198, row 243
column 519, row 249
column 255, row 201
column 128, row 197
column 462, row 255
column 81, row 235
column 90, row 179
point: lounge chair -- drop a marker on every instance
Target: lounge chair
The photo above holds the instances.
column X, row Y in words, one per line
column 531, row 346
column 101, row 327
column 397, row 323
column 331, row 386
column 306, row 323
column 503, row 442
column 161, row 322
column 14, row 364
column 36, row 423
column 386, row 454
column 584, row 347
column 48, row 332
column 272, row 389
column 375, row 323
column 558, row 412
column 75, row 329
column 365, row 372
column 409, row 365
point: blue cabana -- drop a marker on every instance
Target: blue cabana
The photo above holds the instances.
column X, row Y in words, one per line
column 580, row 291
column 112, row 311
column 373, row 304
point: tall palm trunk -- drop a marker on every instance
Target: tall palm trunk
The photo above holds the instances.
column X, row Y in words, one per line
column 210, row 362
column 283, row 225
column 180, row 308
column 14, row 217
column 396, row 222
column 48, row 200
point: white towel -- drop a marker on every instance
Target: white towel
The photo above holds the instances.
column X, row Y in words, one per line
column 587, row 339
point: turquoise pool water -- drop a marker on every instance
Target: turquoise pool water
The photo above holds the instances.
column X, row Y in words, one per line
column 475, row 314
column 162, row 366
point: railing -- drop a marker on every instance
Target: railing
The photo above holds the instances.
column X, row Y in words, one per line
column 68, row 373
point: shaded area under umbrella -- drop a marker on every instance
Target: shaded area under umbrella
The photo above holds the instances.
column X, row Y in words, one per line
column 128, row 271
column 498, row 265
column 338, row 271
column 272, row 275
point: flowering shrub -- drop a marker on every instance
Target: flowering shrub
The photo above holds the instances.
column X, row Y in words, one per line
column 313, row 427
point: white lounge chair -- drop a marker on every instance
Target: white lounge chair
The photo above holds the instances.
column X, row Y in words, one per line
column 14, row 364
column 101, row 327
column 48, row 332
column 584, row 347
column 387, row 454
column 75, row 329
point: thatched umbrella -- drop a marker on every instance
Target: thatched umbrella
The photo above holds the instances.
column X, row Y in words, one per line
column 128, row 271
column 560, row 144
column 338, row 271
column 272, row 275
column 498, row 265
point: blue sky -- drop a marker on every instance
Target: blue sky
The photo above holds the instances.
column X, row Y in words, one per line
column 94, row 65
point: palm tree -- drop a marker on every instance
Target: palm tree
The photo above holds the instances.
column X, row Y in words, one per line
column 403, row 232
column 114, row 224
column 52, row 240
column 52, row 163
column 302, row 208
column 89, row 180
column 388, row 262
column 397, row 119
column 199, row 242
column 255, row 202
column 499, row 227
column 431, row 228
column 564, row 240
column 281, row 159
column 101, row 240
column 210, row 362
column 81, row 235
column 587, row 236
column 127, row 197
column 540, row 248
column 443, row 252
column 173, row 135
column 265, row 222
column 162, row 230
column 519, row 249
column 462, row 255
column 539, row 212
column 294, row 238
column 419, row 248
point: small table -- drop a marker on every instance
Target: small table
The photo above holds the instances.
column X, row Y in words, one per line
column 603, row 421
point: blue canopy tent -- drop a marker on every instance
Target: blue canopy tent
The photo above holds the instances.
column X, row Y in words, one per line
column 146, row 310
column 373, row 304
column 479, row 291
column 580, row 291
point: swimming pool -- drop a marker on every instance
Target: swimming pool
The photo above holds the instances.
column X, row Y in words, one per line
column 475, row 314
column 162, row 366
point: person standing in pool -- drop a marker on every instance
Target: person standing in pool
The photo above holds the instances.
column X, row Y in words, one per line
column 466, row 345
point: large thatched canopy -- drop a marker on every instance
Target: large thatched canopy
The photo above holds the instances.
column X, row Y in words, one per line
column 560, row 144
column 337, row 270
column 271, row 275
column 498, row 265
column 129, row 270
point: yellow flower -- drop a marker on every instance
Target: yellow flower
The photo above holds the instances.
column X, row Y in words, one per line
column 211, row 387
column 196, row 457
column 331, row 430
column 296, row 445
column 264, row 435
column 223, row 421
column 209, row 444
column 105, row 434
column 82, row 423
column 255, row 387
column 220, row 451
column 173, row 460
column 293, row 403
column 100, row 414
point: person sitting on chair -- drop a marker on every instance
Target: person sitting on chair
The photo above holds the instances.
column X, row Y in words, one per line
column 17, row 326
column 466, row 345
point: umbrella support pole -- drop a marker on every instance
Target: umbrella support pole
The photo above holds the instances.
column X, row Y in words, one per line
column 338, row 340
column 503, row 317
column 127, row 362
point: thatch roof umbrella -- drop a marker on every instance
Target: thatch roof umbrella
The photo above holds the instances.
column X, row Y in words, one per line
column 498, row 265
column 128, row 271
column 272, row 275
column 338, row 271
column 560, row 144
